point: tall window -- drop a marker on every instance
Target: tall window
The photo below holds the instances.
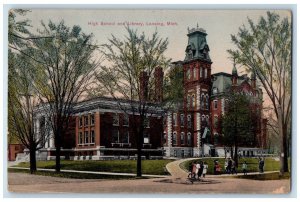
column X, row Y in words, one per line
column 116, row 119
column 115, row 136
column 193, row 101
column 165, row 138
column 126, row 137
column 146, row 138
column 182, row 138
column 175, row 119
column 182, row 120
column 201, row 72
column 189, row 138
column 92, row 116
column 215, row 104
column 206, row 102
column 80, row 121
column 188, row 74
column 80, row 138
column 86, row 120
column 174, row 138
column 207, row 120
column 195, row 73
column 189, row 121
column 205, row 73
column 126, row 120
column 92, row 138
column 188, row 101
column 202, row 100
column 86, row 137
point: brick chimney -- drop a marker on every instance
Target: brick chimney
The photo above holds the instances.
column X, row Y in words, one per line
column 144, row 79
column 158, row 76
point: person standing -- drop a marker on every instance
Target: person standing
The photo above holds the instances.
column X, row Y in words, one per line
column 197, row 169
column 233, row 169
column 244, row 167
column 200, row 171
column 229, row 166
column 226, row 166
column 205, row 167
column 261, row 165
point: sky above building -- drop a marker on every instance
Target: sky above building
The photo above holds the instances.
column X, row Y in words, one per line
column 171, row 24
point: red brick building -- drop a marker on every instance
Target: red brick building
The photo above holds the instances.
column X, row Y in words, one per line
column 188, row 125
column 14, row 150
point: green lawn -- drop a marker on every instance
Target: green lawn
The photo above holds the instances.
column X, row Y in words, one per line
column 270, row 164
column 73, row 175
column 153, row 167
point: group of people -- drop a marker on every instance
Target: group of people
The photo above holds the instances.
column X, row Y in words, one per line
column 197, row 169
column 230, row 166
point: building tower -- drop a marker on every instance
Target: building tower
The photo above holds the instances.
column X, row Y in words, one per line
column 197, row 85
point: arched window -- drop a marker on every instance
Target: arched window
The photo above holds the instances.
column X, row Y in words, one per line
column 207, row 120
column 182, row 138
column 201, row 72
column 193, row 100
column 202, row 101
column 188, row 74
column 175, row 119
column 189, row 138
column 205, row 73
column 188, row 101
column 195, row 73
column 181, row 120
column 206, row 102
column 203, row 118
column 189, row 121
column 174, row 138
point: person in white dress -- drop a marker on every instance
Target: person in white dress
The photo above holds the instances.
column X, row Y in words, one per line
column 205, row 167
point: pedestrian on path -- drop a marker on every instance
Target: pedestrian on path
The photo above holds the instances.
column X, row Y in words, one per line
column 229, row 169
column 233, row 168
column 197, row 170
column 261, row 165
column 205, row 167
column 244, row 167
column 200, row 171
column 226, row 166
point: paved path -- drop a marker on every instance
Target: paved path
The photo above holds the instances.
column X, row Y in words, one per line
column 175, row 170
column 93, row 172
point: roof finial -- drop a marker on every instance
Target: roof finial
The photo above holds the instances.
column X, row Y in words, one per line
column 197, row 25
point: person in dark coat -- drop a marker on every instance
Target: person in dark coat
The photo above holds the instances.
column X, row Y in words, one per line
column 200, row 171
column 229, row 166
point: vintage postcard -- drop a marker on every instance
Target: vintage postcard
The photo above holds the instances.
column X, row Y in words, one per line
column 149, row 101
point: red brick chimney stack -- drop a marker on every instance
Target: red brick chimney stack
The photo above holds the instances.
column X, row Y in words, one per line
column 144, row 79
column 158, row 76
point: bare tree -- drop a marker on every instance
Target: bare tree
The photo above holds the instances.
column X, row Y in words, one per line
column 265, row 49
column 131, row 75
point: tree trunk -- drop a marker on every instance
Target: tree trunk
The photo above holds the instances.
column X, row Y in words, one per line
column 32, row 160
column 283, row 146
column 139, row 153
column 57, row 152
column 236, row 158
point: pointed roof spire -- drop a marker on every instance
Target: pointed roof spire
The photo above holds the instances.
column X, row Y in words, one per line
column 197, row 25
column 234, row 70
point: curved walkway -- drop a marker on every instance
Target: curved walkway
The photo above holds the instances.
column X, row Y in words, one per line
column 175, row 170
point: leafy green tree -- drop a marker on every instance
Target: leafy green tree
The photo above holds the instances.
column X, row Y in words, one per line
column 238, row 124
column 265, row 48
column 62, row 64
column 128, row 60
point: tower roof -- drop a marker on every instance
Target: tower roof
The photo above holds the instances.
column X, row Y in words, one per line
column 234, row 70
column 197, row 47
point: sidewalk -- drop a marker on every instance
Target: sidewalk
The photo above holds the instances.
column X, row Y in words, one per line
column 93, row 172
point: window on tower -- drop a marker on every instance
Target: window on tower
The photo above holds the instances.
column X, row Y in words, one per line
column 188, row 74
column 201, row 72
column 195, row 73
column 215, row 104
column 193, row 101
column 205, row 73
column 189, row 121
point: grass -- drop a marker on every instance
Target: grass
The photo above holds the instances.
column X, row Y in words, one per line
column 152, row 167
column 270, row 164
column 74, row 175
column 265, row 176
